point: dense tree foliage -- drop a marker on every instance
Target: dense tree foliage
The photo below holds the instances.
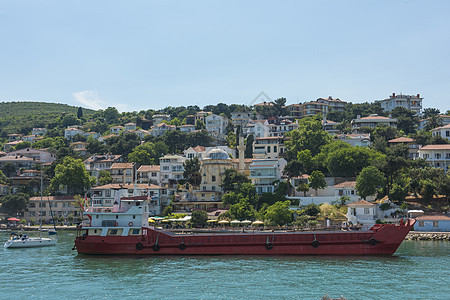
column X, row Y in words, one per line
column 368, row 181
column 72, row 176
column 15, row 204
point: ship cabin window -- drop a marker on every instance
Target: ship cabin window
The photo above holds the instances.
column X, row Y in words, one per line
column 96, row 216
column 135, row 231
column 134, row 217
column 117, row 216
column 114, row 231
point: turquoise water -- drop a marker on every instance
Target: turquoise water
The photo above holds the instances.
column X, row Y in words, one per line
column 418, row 270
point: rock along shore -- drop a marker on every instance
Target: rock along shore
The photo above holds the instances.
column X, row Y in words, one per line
column 428, row 236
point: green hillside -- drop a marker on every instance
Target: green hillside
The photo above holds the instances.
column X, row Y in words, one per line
column 27, row 107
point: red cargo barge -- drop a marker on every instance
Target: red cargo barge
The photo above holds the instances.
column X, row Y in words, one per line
column 113, row 231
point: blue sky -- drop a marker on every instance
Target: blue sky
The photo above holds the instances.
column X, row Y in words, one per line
column 139, row 55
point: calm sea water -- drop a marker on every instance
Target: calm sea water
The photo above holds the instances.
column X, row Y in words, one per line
column 418, row 270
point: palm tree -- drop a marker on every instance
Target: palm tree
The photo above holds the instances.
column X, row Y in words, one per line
column 433, row 122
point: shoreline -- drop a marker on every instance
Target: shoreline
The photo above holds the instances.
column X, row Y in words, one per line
column 428, row 236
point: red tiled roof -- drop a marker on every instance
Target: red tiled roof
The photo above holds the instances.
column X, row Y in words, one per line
column 436, row 147
column 434, row 218
column 442, row 127
column 149, row 168
column 346, row 184
column 402, row 140
column 122, row 166
column 361, row 203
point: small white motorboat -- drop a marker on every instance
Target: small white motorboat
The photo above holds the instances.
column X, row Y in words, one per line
column 23, row 241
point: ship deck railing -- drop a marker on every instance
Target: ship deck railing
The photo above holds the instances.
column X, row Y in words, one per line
column 262, row 230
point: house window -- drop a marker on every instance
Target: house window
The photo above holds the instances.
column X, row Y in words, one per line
column 435, row 223
column 108, row 193
column 366, row 211
column 204, row 188
column 213, row 178
column 421, row 223
column 352, row 192
column 153, row 174
column 213, row 188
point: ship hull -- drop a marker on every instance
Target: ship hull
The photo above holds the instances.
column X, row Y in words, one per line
column 379, row 240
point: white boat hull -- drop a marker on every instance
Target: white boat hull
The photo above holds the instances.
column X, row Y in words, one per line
column 30, row 243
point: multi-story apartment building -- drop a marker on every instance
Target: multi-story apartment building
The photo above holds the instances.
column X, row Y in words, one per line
column 130, row 126
column 159, row 118
column 171, row 169
column 216, row 124
column 149, row 174
column 43, row 156
column 443, row 131
column 372, row 121
column 332, row 104
column 187, row 128
column 264, row 172
column 295, row 110
column 268, row 147
column 122, row 172
column 313, row 108
column 279, row 128
column 161, row 129
column 117, row 129
column 59, row 206
column 437, row 156
column 410, row 102
column 258, row 128
column 413, row 147
column 97, row 163
column 79, row 147
column 330, row 126
column 72, row 131
column 241, row 118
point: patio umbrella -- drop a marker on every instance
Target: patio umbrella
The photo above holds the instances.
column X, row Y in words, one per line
column 235, row 222
column 258, row 223
column 246, row 222
column 223, row 222
column 14, row 219
column 150, row 220
column 211, row 221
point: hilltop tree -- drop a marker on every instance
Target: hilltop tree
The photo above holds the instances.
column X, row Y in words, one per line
column 79, row 112
column 111, row 115
column 430, row 112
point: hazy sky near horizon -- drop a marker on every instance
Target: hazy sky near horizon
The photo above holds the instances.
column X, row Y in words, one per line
column 139, row 55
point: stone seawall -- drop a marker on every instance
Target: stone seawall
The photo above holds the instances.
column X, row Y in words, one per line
column 428, row 236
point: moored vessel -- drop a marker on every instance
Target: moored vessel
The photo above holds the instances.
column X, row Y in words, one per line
column 124, row 229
